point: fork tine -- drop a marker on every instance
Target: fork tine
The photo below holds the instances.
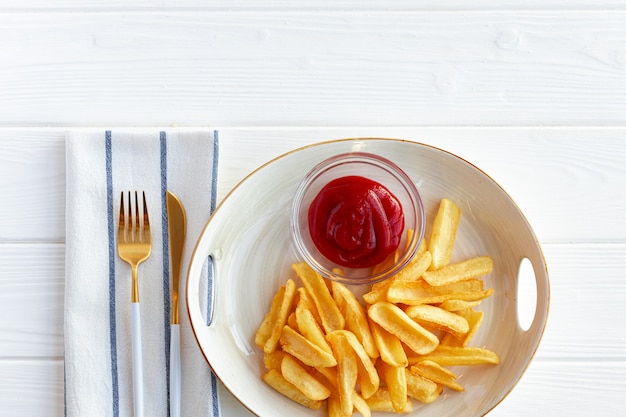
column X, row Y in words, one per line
column 121, row 228
column 136, row 235
column 146, row 221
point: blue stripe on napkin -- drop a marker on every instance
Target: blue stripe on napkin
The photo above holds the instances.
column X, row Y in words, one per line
column 112, row 320
column 214, row 395
column 166, row 259
column 210, row 284
column 216, row 152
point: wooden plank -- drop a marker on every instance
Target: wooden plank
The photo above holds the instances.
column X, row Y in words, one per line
column 315, row 69
column 35, row 388
column 585, row 320
column 587, row 306
column 31, row 300
column 31, row 387
column 560, row 177
column 592, row 389
column 32, row 179
column 311, row 5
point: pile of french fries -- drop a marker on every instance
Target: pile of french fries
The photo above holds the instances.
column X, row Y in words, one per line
column 322, row 346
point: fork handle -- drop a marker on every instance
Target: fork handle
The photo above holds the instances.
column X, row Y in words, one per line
column 137, row 360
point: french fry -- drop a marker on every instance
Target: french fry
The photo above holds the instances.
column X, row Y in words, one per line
column 459, row 356
column 420, row 292
column 281, row 316
column 272, row 360
column 470, row 268
column 422, row 389
column 381, row 401
column 368, row 376
column 389, row 346
column 356, row 318
column 423, row 247
column 436, row 373
column 275, row 380
column 309, row 327
column 292, row 322
column 358, row 323
column 326, row 306
column 369, row 383
column 413, row 271
column 391, row 318
column 301, row 348
column 305, row 297
column 474, row 319
column 334, row 406
column 443, row 233
column 338, row 297
column 416, row 268
column 334, row 403
column 330, row 373
column 458, row 305
column 347, row 370
column 395, row 380
column 294, row 372
column 378, row 292
column 361, row 405
column 264, row 330
column 430, row 315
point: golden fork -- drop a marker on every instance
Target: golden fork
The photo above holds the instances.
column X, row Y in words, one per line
column 134, row 246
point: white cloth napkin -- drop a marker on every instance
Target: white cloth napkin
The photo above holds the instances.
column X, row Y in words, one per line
column 98, row 369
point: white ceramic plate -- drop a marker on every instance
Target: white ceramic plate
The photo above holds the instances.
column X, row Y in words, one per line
column 249, row 241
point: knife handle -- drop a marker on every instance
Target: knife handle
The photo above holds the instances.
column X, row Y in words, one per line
column 175, row 377
column 137, row 360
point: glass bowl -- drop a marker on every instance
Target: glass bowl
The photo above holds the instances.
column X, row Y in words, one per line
column 374, row 168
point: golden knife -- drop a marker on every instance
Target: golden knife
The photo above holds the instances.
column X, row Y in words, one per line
column 176, row 226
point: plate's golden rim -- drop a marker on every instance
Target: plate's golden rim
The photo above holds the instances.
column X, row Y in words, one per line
column 328, row 142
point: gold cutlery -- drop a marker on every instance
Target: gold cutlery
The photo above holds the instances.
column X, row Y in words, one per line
column 134, row 246
column 176, row 226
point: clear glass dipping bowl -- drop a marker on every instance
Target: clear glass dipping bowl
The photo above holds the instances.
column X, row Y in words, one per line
column 375, row 168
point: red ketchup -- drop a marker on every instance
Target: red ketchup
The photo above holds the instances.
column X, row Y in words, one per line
column 356, row 222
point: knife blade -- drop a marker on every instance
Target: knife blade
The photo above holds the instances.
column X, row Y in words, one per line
column 176, row 226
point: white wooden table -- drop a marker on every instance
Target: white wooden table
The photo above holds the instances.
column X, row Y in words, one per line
column 533, row 92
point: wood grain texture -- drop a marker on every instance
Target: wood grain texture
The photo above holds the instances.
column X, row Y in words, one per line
column 312, row 5
column 31, row 293
column 32, row 177
column 35, row 388
column 530, row 92
column 556, row 388
column 586, row 303
column 31, row 388
column 547, row 171
column 319, row 68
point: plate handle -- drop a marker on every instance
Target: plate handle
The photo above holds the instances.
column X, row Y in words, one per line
column 533, row 295
column 201, row 294
column 211, row 279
